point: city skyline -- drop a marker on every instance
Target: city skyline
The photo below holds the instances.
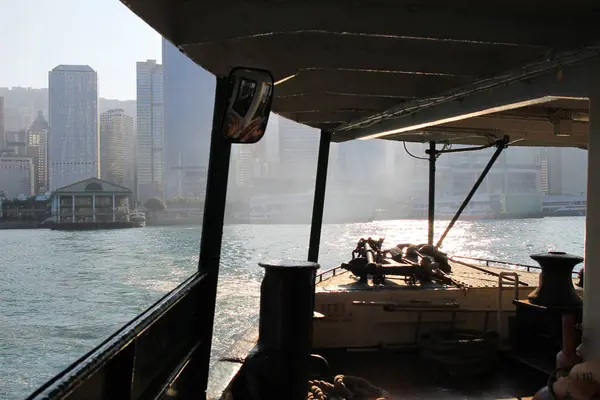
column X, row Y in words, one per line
column 173, row 109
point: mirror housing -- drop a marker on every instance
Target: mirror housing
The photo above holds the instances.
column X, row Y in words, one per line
column 250, row 95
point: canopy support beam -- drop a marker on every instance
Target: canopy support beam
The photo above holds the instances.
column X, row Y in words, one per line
column 212, row 231
column 431, row 206
column 319, row 199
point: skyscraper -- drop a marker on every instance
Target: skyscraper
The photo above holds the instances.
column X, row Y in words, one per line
column 298, row 150
column 189, row 96
column 2, row 139
column 149, row 130
column 117, row 147
column 37, row 149
column 74, row 142
column 16, row 142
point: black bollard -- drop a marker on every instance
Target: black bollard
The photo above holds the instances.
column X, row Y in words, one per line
column 285, row 327
column 556, row 287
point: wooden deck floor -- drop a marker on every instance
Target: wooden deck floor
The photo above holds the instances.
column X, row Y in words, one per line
column 405, row 376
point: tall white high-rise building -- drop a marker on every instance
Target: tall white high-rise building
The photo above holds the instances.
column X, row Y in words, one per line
column 189, row 94
column 298, row 152
column 117, row 147
column 150, row 138
column 74, row 142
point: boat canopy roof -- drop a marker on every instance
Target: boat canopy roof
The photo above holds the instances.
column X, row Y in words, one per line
column 461, row 71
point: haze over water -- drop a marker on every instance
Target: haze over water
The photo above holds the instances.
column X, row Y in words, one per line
column 62, row 293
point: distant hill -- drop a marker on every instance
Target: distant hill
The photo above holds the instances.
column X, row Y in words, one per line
column 21, row 106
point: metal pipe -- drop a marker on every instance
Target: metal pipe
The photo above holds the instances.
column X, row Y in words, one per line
column 431, row 207
column 501, row 145
column 212, row 229
column 319, row 198
column 567, row 357
column 370, row 255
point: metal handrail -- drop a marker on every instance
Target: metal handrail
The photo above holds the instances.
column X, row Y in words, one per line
column 515, row 283
column 333, row 271
column 488, row 261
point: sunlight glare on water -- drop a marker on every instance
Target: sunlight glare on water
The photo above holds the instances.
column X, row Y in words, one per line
column 62, row 293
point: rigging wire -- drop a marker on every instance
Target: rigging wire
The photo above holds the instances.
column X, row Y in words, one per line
column 412, row 155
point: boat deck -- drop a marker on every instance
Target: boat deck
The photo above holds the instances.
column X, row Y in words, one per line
column 405, row 376
column 359, row 314
column 469, row 277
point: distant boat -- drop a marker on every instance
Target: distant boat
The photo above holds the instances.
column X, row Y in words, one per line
column 138, row 219
column 564, row 206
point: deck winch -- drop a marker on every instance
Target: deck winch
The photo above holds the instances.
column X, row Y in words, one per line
column 417, row 263
column 545, row 322
column 556, row 284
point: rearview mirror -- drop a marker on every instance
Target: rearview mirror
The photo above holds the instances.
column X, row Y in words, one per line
column 250, row 95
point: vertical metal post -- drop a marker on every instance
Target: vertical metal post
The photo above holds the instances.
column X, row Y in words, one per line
column 319, row 199
column 431, row 207
column 114, row 210
column 212, row 229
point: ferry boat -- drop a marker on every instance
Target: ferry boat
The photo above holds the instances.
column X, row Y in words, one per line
column 483, row 74
column 568, row 206
column 138, row 219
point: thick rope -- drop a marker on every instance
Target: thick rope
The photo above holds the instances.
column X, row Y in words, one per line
column 345, row 388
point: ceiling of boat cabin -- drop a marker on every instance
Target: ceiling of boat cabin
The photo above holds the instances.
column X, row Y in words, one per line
column 338, row 62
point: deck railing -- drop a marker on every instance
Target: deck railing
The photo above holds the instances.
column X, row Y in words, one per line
column 490, row 263
column 144, row 358
column 327, row 273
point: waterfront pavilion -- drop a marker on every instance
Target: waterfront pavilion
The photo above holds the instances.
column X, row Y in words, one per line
column 91, row 200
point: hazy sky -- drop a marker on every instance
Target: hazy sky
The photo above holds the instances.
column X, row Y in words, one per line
column 37, row 35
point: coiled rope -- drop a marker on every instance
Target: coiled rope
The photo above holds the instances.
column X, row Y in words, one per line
column 345, row 388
